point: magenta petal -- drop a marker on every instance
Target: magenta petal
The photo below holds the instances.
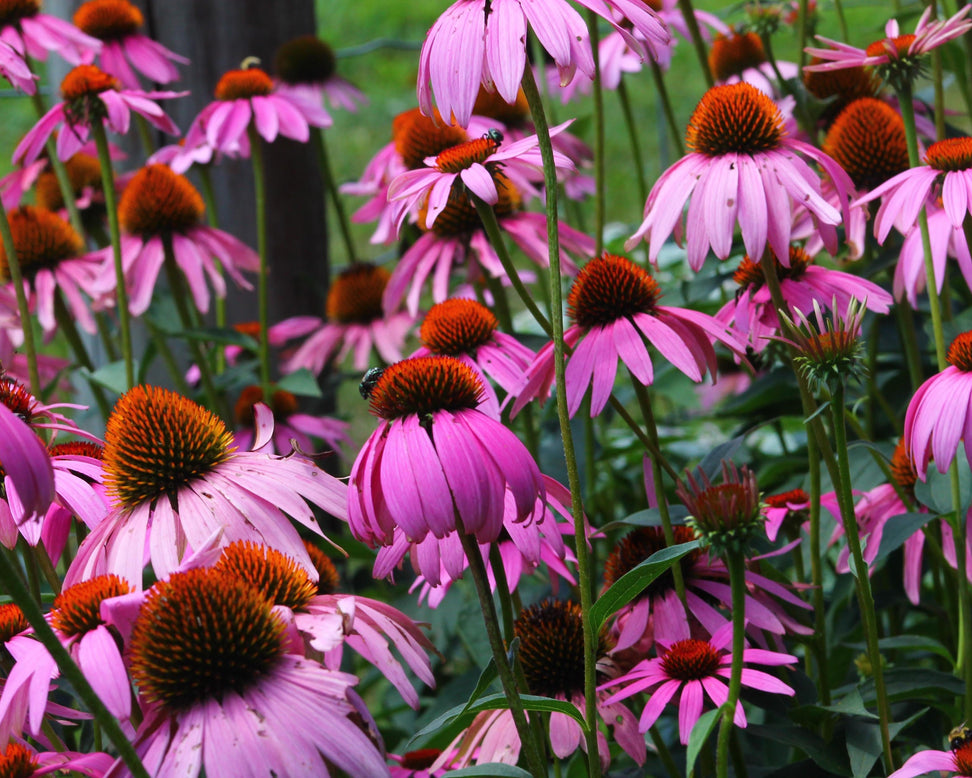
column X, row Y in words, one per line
column 925, row 762
column 506, row 52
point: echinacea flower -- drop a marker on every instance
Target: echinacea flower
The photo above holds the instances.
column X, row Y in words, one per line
column 250, row 96
column 739, row 56
column 30, row 33
column 328, row 621
column 957, row 763
column 522, row 548
column 77, row 622
column 224, row 694
column 116, row 24
column 14, row 68
column 939, row 415
column 614, row 306
column 91, row 95
column 477, row 42
column 23, row 762
column 52, row 265
column 468, row 331
column 290, row 428
column 436, row 457
column 552, row 657
column 356, row 323
column 945, row 240
column 694, row 669
column 472, row 165
column 743, row 168
column 895, row 55
column 175, row 479
column 751, row 312
column 160, row 211
column 867, row 139
column 836, row 89
column 24, row 465
column 307, row 65
column 827, row 347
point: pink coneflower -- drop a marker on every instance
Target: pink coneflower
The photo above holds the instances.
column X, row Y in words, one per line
column 945, row 239
column 957, row 763
column 694, row 669
column 175, row 478
column 751, row 312
column 19, row 760
column 940, row 413
column 471, row 166
column 894, row 50
column 903, row 196
column 327, row 621
column 90, row 95
column 76, row 620
column 28, row 477
column 657, row 615
column 307, row 66
column 436, row 457
column 356, row 323
column 116, row 24
column 614, row 306
column 477, row 42
column 160, row 207
column 216, row 672
column 14, row 68
column 522, row 547
column 467, row 330
column 245, row 96
column 290, row 428
column 743, row 168
column 14, row 360
column 49, row 251
column 552, row 657
column 31, row 33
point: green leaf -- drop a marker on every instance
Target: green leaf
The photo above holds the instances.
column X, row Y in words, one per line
column 700, row 734
column 851, row 704
column 302, row 382
column 936, row 491
column 491, row 770
column 650, row 517
column 918, row 642
column 829, row 756
column 635, row 581
column 864, row 742
column 711, row 464
column 111, row 376
column 898, row 530
column 459, row 717
column 486, row 677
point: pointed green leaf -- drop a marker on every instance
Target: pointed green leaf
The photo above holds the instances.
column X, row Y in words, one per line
column 302, row 382
column 700, row 734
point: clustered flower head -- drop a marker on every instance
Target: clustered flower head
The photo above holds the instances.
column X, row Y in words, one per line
column 727, row 515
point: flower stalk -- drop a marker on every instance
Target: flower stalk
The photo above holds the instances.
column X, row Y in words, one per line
column 17, row 279
column 263, row 295
column 736, row 563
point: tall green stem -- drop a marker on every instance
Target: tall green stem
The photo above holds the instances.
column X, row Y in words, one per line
column 60, row 172
column 667, row 109
column 597, row 95
column 573, row 476
column 12, row 584
column 688, row 12
column 17, row 279
column 845, row 498
column 736, row 562
column 816, row 576
column 263, row 295
column 637, row 158
column 111, row 206
column 478, row 571
column 332, row 192
column 212, row 219
column 68, row 328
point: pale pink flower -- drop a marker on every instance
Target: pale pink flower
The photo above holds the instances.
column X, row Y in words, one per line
column 474, row 42
column 939, row 415
column 946, row 240
column 30, row 33
column 743, row 168
column 894, row 47
column 356, row 325
column 694, row 669
column 116, row 24
column 613, row 304
column 91, row 95
column 291, row 430
column 175, row 479
column 306, row 65
column 435, row 456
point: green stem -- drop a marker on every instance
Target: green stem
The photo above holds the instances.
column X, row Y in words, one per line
column 905, row 319
column 839, row 8
column 212, row 218
column 162, row 346
column 111, row 206
column 26, row 322
column 573, row 476
column 333, row 194
column 663, row 753
column 673, row 126
column 803, row 21
column 736, row 563
column 488, row 217
column 637, row 159
column 69, row 670
column 597, row 95
column 263, row 298
column 646, row 441
column 478, row 571
column 67, row 326
column 845, row 498
column 701, row 51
